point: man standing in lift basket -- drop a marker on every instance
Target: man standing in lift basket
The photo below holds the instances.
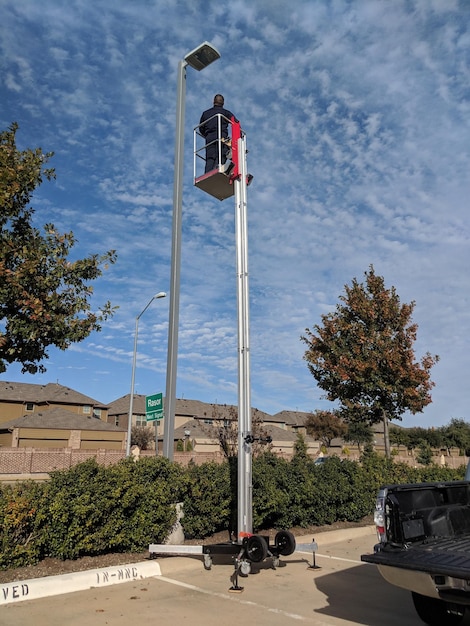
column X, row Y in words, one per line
column 211, row 124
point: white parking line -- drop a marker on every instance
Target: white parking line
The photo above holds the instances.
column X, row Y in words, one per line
column 233, row 598
column 333, row 558
column 339, row 558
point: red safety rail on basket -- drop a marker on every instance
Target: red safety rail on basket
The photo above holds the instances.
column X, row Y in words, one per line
column 236, row 134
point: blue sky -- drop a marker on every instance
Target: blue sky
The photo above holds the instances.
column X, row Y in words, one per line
column 357, row 121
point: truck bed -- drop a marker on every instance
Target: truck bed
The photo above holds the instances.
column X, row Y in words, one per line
column 447, row 556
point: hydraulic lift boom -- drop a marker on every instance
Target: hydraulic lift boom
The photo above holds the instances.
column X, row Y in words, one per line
column 230, row 178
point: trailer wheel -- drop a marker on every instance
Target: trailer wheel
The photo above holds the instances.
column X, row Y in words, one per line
column 284, row 542
column 256, row 548
column 436, row 612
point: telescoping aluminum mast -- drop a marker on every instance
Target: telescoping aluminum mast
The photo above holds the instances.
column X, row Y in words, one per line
column 245, row 437
column 230, row 177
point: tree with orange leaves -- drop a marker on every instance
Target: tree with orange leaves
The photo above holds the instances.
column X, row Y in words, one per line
column 363, row 355
column 325, row 426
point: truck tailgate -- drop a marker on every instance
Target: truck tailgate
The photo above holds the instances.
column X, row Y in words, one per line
column 445, row 556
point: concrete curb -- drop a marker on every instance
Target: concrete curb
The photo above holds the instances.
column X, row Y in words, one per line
column 36, row 588
column 334, row 536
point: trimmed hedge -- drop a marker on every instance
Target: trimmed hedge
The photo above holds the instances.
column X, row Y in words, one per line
column 208, row 500
column 18, row 524
column 91, row 509
column 297, row 492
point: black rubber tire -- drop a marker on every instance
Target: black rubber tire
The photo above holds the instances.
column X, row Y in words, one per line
column 256, row 548
column 435, row 612
column 284, row 542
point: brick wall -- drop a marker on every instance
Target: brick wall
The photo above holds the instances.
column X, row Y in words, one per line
column 184, row 458
column 44, row 460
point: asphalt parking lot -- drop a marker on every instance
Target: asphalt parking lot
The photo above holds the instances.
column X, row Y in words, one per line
column 340, row 591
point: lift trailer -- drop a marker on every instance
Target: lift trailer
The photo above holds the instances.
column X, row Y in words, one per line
column 231, row 178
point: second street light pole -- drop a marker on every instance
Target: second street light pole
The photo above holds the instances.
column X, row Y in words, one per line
column 170, row 394
column 199, row 58
column 160, row 294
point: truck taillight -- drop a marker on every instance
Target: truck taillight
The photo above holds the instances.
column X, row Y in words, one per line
column 379, row 519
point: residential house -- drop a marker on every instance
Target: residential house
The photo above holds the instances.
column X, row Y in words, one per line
column 293, row 421
column 60, row 428
column 18, row 399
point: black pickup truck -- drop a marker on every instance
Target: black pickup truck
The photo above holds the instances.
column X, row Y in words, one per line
column 424, row 546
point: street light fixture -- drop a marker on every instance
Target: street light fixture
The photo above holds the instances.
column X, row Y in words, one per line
column 198, row 59
column 160, row 294
column 202, row 56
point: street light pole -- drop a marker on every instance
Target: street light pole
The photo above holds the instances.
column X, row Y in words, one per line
column 198, row 59
column 160, row 294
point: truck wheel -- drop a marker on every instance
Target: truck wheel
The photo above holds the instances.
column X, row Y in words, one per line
column 437, row 612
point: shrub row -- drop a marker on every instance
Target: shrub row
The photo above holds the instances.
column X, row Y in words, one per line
column 298, row 492
column 91, row 509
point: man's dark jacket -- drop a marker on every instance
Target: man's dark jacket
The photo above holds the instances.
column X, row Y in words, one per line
column 209, row 130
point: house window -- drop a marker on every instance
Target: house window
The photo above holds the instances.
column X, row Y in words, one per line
column 97, row 413
column 140, row 420
column 30, row 406
column 87, row 409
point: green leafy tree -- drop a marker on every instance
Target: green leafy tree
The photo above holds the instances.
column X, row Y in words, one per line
column 435, row 438
column 411, row 438
column 399, row 437
column 300, row 447
column 325, row 426
column 457, row 435
column 359, row 433
column 424, row 455
column 44, row 297
column 416, row 436
column 363, row 355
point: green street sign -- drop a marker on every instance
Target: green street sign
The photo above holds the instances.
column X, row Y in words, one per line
column 154, row 407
